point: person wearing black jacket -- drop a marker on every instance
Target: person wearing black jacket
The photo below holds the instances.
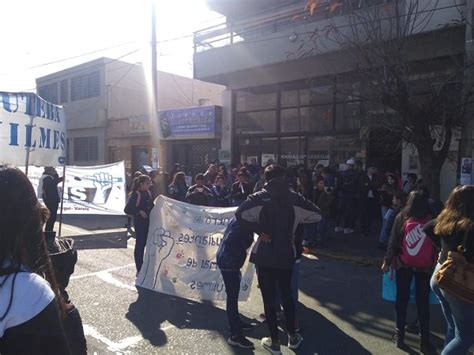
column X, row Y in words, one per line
column 230, row 259
column 199, row 194
column 368, row 199
column 139, row 206
column 50, row 196
column 274, row 214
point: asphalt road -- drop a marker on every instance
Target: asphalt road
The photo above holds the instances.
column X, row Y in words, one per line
column 340, row 311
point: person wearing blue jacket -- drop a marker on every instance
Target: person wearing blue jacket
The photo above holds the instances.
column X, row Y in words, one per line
column 230, row 259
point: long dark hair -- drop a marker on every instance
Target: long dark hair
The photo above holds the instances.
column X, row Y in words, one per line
column 22, row 241
column 417, row 206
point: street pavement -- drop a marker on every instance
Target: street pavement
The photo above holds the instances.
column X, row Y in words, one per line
column 340, row 310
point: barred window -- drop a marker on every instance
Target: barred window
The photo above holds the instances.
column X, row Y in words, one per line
column 49, row 92
column 86, row 148
column 85, row 86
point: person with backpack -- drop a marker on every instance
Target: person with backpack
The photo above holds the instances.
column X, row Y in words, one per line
column 139, row 205
column 411, row 253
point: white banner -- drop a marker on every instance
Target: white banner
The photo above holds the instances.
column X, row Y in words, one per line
column 89, row 189
column 32, row 130
column 181, row 249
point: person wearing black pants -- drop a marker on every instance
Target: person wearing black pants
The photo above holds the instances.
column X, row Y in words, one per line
column 230, row 259
column 274, row 214
column 139, row 206
column 269, row 280
column 404, row 276
column 50, row 195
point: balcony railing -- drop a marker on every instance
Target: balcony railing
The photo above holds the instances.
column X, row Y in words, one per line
column 226, row 33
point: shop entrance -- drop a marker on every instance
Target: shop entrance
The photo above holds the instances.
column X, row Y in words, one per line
column 384, row 150
column 194, row 156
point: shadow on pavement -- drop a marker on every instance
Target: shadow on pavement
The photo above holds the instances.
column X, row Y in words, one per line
column 101, row 241
column 356, row 299
column 152, row 309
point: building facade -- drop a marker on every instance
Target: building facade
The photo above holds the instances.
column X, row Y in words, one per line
column 107, row 106
column 290, row 104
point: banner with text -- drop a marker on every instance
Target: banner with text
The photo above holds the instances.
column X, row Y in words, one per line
column 32, row 130
column 89, row 189
column 181, row 249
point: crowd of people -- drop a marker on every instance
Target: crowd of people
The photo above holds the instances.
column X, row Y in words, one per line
column 428, row 243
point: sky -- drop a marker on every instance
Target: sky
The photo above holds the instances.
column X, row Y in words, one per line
column 43, row 37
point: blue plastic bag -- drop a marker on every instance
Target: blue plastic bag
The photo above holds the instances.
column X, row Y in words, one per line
column 389, row 289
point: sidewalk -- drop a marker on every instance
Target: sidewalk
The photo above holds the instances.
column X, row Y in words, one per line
column 91, row 225
column 353, row 247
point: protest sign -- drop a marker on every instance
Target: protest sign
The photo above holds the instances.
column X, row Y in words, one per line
column 32, row 130
column 89, row 189
column 181, row 249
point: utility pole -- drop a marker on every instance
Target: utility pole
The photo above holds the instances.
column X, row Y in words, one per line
column 156, row 156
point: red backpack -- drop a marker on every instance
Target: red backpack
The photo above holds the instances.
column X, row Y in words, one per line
column 417, row 248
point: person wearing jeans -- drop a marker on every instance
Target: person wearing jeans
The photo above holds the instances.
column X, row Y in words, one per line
column 231, row 256
column 274, row 214
column 452, row 229
column 459, row 318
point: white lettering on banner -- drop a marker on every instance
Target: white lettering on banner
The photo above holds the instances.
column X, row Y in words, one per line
column 89, row 189
column 181, row 250
column 415, row 239
column 28, row 121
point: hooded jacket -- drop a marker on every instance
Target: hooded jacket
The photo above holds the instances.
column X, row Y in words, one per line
column 233, row 249
column 277, row 212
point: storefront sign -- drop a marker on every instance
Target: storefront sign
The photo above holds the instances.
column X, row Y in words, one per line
column 193, row 122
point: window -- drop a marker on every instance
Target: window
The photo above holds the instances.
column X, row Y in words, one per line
column 348, row 115
column 86, row 148
column 85, row 86
column 49, row 92
column 255, row 122
column 63, row 91
column 252, row 101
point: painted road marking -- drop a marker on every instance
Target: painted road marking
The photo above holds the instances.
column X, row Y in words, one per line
column 98, row 272
column 111, row 345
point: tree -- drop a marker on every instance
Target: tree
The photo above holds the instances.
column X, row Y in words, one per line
column 420, row 89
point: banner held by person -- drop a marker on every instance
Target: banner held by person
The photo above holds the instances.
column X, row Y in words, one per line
column 181, row 249
column 96, row 189
column 32, row 130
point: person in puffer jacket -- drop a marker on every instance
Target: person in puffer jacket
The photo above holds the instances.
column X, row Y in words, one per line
column 230, row 259
column 274, row 214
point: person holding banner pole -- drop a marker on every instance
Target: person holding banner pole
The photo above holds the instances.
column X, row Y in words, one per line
column 51, row 197
column 274, row 214
column 231, row 257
